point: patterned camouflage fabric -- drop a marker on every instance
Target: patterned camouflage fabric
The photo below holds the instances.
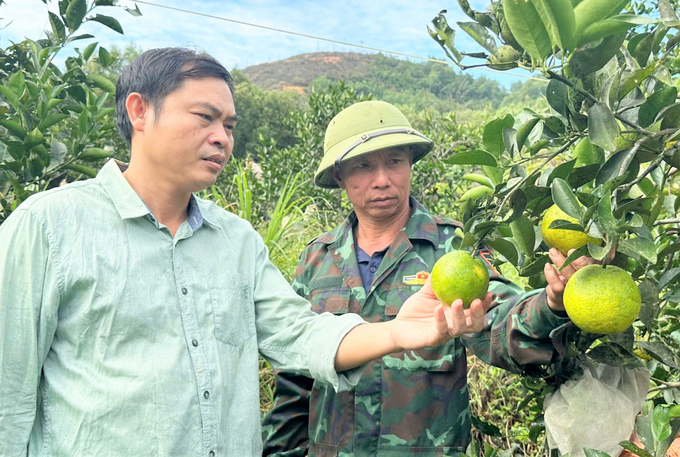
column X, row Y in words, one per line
column 412, row 402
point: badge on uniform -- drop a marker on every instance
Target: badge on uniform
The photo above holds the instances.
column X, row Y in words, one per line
column 417, row 279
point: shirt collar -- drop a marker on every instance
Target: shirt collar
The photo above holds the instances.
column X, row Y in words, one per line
column 128, row 204
column 421, row 225
column 124, row 197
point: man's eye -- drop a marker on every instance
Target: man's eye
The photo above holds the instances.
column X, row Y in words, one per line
column 207, row 117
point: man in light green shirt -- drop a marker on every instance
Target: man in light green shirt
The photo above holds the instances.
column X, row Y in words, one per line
column 132, row 312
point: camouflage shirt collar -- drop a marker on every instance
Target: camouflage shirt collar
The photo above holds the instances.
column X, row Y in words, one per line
column 421, row 225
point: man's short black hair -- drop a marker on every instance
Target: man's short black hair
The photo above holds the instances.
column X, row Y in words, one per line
column 158, row 72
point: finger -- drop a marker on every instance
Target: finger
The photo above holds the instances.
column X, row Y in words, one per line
column 458, row 319
column 475, row 316
column 552, row 276
column 441, row 321
column 487, row 302
column 569, row 270
column 427, row 288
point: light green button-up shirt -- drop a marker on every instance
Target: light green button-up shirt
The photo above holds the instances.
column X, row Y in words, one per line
column 117, row 338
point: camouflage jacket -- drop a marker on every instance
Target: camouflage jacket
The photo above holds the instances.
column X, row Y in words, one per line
column 412, row 402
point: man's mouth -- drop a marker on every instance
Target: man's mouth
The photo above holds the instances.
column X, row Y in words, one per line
column 215, row 160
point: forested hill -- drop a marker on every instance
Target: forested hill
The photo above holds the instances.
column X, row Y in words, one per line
column 421, row 85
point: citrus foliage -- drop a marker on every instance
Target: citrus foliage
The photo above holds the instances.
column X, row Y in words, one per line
column 54, row 122
column 604, row 153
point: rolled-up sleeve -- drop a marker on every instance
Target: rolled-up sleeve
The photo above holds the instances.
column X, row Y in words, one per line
column 29, row 299
column 294, row 338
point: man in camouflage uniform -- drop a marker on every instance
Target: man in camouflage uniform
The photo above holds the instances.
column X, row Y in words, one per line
column 412, row 402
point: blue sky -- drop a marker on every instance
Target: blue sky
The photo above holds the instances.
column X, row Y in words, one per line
column 395, row 25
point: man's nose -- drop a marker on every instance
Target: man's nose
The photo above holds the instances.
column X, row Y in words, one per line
column 219, row 137
column 381, row 177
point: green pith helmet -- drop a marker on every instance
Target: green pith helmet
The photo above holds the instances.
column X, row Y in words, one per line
column 367, row 127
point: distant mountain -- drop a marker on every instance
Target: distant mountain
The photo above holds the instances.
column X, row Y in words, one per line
column 422, row 85
column 299, row 71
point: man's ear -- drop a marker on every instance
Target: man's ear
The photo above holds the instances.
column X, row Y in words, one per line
column 337, row 177
column 139, row 111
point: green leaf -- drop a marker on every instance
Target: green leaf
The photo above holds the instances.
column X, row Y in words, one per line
column 561, row 224
column 527, row 28
column 504, row 247
column 660, row 427
column 562, row 171
column 635, row 449
column 134, row 12
column 614, row 355
column 667, row 14
column 494, row 173
column 510, row 141
column 649, row 293
column 602, row 127
column 51, row 120
column 590, row 58
column 484, row 427
column 634, row 80
column 556, row 94
column 639, row 247
column 669, row 116
column 580, row 252
column 600, row 252
column 565, row 198
column 614, row 171
column 669, row 277
column 534, row 267
column 57, row 27
column 524, row 131
column 479, row 179
column 59, row 151
column 660, row 352
column 103, row 83
column 493, row 134
column 558, row 18
column 476, row 157
column 605, row 216
column 594, row 453
column 75, row 13
column 105, row 58
column 108, row 21
column 480, row 34
column 654, row 104
column 17, row 83
column 583, row 175
column 523, row 233
column 87, row 53
column 444, row 35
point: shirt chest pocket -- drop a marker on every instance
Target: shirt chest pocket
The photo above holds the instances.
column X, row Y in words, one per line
column 233, row 312
column 329, row 296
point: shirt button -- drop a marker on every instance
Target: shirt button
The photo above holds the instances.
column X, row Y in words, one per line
column 184, row 290
column 206, row 394
column 194, row 343
column 372, row 269
column 211, row 453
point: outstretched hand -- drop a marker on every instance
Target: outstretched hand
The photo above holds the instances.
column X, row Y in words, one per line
column 424, row 321
column 557, row 279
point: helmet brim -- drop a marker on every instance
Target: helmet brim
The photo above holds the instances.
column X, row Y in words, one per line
column 419, row 145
